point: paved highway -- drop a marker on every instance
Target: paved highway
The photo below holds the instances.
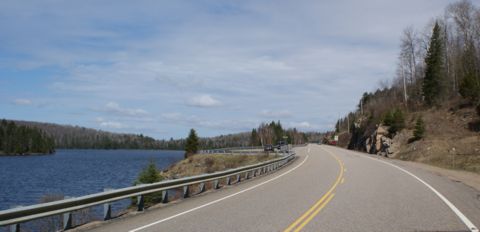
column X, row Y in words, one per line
column 325, row 189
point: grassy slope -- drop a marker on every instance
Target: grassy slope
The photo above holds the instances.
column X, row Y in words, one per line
column 449, row 140
column 209, row 163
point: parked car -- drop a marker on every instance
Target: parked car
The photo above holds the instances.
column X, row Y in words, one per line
column 268, row 147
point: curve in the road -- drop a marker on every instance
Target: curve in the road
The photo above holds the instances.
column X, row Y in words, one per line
column 306, row 217
column 218, row 200
column 462, row 217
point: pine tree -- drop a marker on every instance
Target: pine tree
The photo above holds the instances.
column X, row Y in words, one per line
column 470, row 85
column 150, row 174
column 191, row 145
column 419, row 131
column 254, row 138
column 398, row 121
column 433, row 83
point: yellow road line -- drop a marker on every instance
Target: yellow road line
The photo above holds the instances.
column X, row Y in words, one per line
column 314, row 213
column 319, row 202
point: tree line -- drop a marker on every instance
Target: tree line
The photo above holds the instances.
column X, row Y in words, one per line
column 435, row 65
column 273, row 133
column 75, row 137
column 17, row 139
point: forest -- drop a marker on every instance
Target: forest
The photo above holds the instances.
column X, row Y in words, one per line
column 438, row 68
column 22, row 140
column 75, row 137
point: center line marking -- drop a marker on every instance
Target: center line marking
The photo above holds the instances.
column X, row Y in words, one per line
column 315, row 209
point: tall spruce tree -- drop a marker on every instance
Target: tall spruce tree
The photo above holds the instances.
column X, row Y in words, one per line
column 433, row 82
column 192, row 144
column 254, row 138
column 470, row 85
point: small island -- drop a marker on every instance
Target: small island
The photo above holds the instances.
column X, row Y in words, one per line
column 23, row 140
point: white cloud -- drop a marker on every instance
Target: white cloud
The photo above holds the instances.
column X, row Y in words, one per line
column 276, row 114
column 22, row 101
column 204, row 100
column 244, row 55
column 195, row 121
column 110, row 124
column 115, row 108
column 302, row 125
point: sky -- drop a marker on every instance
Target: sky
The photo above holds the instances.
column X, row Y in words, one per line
column 160, row 68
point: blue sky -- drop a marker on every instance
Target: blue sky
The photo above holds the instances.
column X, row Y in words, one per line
column 162, row 67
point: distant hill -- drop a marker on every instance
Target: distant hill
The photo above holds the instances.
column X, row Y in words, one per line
column 76, row 137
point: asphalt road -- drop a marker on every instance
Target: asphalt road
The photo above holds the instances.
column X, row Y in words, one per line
column 325, row 189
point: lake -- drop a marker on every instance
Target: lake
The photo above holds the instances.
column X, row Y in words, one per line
column 25, row 179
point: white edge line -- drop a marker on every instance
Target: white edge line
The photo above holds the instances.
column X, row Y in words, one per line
column 218, row 200
column 462, row 217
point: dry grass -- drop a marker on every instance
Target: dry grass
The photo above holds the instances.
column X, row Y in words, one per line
column 449, row 139
column 209, row 163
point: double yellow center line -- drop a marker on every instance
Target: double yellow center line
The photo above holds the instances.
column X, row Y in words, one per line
column 302, row 221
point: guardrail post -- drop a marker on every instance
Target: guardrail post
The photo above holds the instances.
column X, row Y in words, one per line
column 67, row 221
column 165, row 196
column 238, row 178
column 247, row 175
column 107, row 211
column 140, row 203
column 202, row 188
column 15, row 228
column 215, row 184
column 229, row 182
column 186, row 193
column 107, row 207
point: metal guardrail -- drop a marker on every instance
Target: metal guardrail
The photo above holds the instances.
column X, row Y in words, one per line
column 15, row 216
column 232, row 150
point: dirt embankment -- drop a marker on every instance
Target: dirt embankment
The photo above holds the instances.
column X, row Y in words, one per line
column 209, row 163
column 451, row 140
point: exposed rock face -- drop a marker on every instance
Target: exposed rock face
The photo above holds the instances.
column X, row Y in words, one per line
column 379, row 142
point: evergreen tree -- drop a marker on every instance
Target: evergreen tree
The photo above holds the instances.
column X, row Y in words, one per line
column 470, row 85
column 192, row 144
column 150, row 174
column 23, row 140
column 254, row 138
column 433, row 82
column 398, row 122
column 388, row 118
column 419, row 131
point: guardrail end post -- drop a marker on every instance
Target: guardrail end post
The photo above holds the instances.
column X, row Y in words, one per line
column 107, row 211
column 140, row 203
column 229, row 181
column 165, row 196
column 186, row 193
column 202, row 188
column 67, row 221
column 215, row 184
column 15, row 228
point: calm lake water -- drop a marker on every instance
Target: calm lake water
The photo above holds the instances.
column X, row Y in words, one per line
column 25, row 179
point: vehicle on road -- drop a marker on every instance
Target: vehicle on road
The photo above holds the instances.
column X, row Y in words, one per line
column 268, row 147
